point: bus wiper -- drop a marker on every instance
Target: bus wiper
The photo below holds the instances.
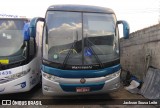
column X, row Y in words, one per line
column 90, row 47
column 69, row 52
column 6, row 66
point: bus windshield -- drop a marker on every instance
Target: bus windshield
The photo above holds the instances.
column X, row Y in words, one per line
column 83, row 37
column 12, row 46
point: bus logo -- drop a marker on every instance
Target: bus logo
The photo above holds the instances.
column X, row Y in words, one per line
column 23, row 85
column 82, row 80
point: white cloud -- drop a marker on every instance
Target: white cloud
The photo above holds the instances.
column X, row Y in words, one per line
column 139, row 13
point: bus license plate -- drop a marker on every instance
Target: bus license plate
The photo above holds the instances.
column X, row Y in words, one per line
column 82, row 89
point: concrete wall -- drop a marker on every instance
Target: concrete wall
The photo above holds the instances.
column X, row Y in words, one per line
column 141, row 48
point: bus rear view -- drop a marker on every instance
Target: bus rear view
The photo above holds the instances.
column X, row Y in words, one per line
column 80, row 50
column 18, row 61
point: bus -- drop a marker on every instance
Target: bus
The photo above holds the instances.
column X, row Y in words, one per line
column 19, row 63
column 80, row 50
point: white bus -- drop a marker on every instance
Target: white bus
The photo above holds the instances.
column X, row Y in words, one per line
column 19, row 63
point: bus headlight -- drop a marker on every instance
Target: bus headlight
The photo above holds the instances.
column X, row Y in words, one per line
column 17, row 75
column 116, row 74
column 50, row 77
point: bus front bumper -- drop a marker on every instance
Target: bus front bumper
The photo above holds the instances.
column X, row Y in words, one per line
column 22, row 84
column 68, row 86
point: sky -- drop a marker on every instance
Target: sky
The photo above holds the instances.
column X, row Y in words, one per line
column 138, row 13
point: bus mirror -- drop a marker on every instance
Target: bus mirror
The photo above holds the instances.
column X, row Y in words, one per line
column 126, row 28
column 26, row 32
column 32, row 27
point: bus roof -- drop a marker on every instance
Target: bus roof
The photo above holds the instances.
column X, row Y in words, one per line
column 14, row 19
column 80, row 8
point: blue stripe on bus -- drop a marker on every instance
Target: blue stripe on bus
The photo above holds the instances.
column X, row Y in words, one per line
column 72, row 87
column 80, row 73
